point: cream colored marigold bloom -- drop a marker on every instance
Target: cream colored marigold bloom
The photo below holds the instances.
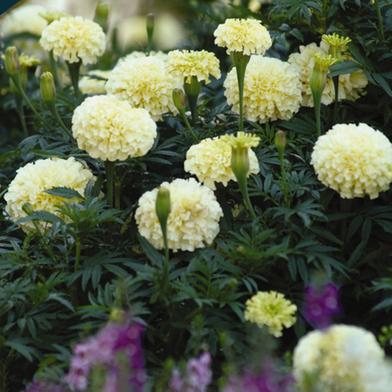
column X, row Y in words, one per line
column 110, row 129
column 271, row 309
column 25, row 19
column 94, row 82
column 210, row 161
column 342, row 358
column 193, row 221
column 354, row 160
column 198, row 63
column 351, row 86
column 33, row 179
column 74, row 39
column 272, row 90
column 247, row 36
column 145, row 83
column 242, row 140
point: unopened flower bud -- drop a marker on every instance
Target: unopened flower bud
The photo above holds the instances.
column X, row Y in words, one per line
column 163, row 207
column 150, row 27
column 102, row 12
column 240, row 163
column 280, row 141
column 193, row 88
column 11, row 61
column 318, row 78
column 179, row 100
column 48, row 88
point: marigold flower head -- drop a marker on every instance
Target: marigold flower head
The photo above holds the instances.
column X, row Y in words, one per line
column 74, row 39
column 145, row 83
column 242, row 140
column 272, row 90
column 354, row 160
column 33, row 179
column 94, row 82
column 210, row 160
column 342, row 358
column 271, row 309
column 110, row 129
column 247, row 36
column 198, row 63
column 25, row 19
column 351, row 86
column 193, row 220
column 336, row 41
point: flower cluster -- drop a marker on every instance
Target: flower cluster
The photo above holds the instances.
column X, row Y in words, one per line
column 351, row 86
column 198, row 63
column 210, row 161
column 197, row 377
column 145, row 83
column 106, row 352
column 32, row 180
column 94, row 82
column 272, row 90
column 271, row 309
column 110, row 129
column 74, row 39
column 321, row 304
column 343, row 358
column 247, row 36
column 354, row 160
column 193, row 221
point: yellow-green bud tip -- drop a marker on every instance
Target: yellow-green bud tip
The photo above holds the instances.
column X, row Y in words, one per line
column 117, row 315
column 280, row 141
column 163, row 206
column 48, row 88
column 11, row 61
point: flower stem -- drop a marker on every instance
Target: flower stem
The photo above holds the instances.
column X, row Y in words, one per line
column 380, row 20
column 56, row 114
column 21, row 114
column 110, row 172
column 240, row 62
column 192, row 90
column 74, row 71
column 283, row 179
column 317, row 112
column 53, row 69
column 243, row 185
column 117, row 193
column 78, row 251
column 336, row 104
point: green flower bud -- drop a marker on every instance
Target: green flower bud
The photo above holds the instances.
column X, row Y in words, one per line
column 150, row 26
column 179, row 100
column 163, row 207
column 193, row 88
column 240, row 163
column 48, row 88
column 280, row 141
column 11, row 61
column 102, row 12
column 318, row 78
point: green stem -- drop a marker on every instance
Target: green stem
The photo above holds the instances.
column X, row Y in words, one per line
column 380, row 20
column 283, row 176
column 110, row 171
column 56, row 114
column 53, row 69
column 192, row 90
column 74, row 71
column 78, row 251
column 21, row 114
column 117, row 193
column 245, row 196
column 240, row 62
column 188, row 126
column 336, row 103
column 317, row 112
column 165, row 273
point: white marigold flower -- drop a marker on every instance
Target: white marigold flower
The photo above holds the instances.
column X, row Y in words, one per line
column 354, row 160
column 25, row 19
column 198, row 63
column 94, row 82
column 272, row 90
column 74, row 39
column 110, row 129
column 342, row 358
column 210, row 161
column 138, row 54
column 193, row 221
column 247, row 36
column 351, row 86
column 145, row 83
column 33, row 179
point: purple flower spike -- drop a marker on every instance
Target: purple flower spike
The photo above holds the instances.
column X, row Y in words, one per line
column 321, row 305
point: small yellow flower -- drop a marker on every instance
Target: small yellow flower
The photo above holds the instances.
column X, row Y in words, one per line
column 324, row 61
column 242, row 140
column 28, row 61
column 336, row 41
column 271, row 309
